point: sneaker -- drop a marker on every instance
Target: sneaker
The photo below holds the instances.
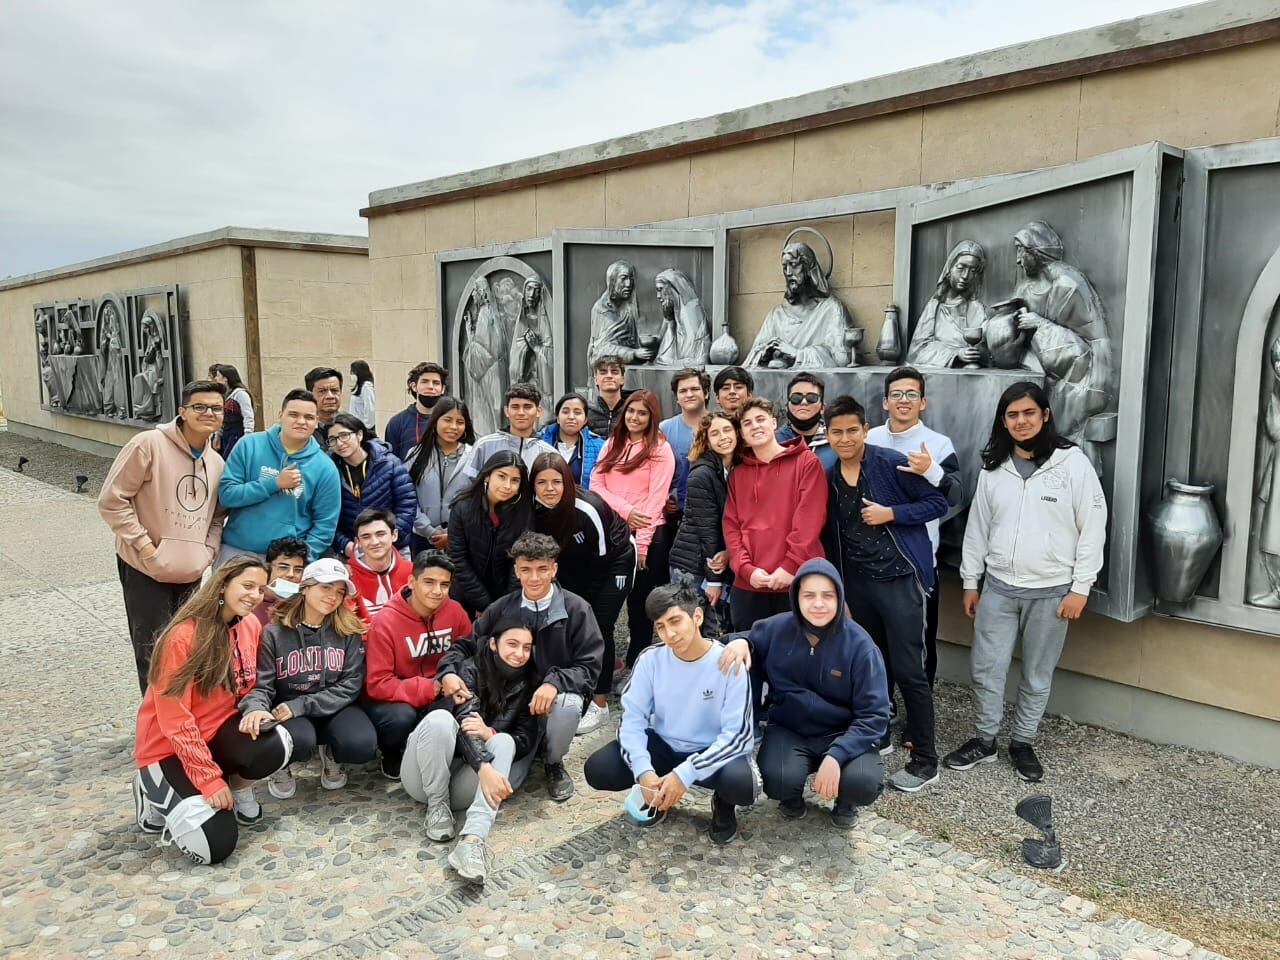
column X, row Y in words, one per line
column 148, row 817
column 724, row 822
column 247, row 808
column 559, row 783
column 439, row 822
column 971, row 753
column 471, row 858
column 916, row 775
column 282, row 784
column 332, row 776
column 1025, row 761
column 793, row 809
column 391, row 765
column 885, row 744
column 843, row 815
column 595, row 716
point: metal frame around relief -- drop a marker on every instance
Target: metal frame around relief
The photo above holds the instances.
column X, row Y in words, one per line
column 1229, row 609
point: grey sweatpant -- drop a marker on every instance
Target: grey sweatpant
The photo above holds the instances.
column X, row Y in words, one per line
column 999, row 623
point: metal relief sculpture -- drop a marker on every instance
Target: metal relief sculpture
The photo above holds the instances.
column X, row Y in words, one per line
column 686, row 333
column 482, row 357
column 811, row 327
column 148, row 384
column 615, row 319
column 111, row 346
column 953, row 323
column 531, row 340
column 1268, row 491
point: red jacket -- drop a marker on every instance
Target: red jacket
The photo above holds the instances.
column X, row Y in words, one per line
column 775, row 513
column 402, row 650
column 374, row 589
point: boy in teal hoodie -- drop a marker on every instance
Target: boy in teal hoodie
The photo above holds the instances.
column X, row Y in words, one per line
column 280, row 483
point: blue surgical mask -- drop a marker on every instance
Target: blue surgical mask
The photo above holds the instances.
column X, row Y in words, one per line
column 284, row 589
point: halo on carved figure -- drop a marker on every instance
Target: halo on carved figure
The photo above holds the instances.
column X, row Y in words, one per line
column 831, row 255
column 488, row 268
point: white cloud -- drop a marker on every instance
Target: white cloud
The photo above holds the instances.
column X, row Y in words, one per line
column 131, row 123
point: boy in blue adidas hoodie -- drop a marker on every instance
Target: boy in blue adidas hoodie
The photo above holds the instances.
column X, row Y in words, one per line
column 828, row 702
column 280, row 483
column 684, row 722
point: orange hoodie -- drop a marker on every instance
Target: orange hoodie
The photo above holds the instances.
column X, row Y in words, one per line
column 157, row 494
column 184, row 725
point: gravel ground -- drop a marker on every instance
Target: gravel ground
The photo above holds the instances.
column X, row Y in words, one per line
column 52, row 462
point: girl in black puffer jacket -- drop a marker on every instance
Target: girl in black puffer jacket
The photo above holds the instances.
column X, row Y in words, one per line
column 484, row 521
column 698, row 555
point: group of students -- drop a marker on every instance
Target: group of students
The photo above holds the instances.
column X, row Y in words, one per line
column 448, row 602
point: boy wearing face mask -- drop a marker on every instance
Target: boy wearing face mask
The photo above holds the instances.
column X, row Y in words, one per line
column 286, row 560
column 805, row 394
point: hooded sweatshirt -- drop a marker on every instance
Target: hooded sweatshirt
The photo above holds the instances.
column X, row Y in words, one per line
column 835, row 688
column 158, row 494
column 644, row 488
column 403, row 650
column 260, row 511
column 775, row 513
column 376, row 589
column 313, row 670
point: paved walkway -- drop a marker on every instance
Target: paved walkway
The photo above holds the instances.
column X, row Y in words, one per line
column 349, row 874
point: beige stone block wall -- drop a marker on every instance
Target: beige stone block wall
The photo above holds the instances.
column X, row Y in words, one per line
column 511, row 215
column 644, row 194
column 856, row 157
column 571, row 203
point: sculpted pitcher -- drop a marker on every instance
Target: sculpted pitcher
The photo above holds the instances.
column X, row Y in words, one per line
column 1184, row 538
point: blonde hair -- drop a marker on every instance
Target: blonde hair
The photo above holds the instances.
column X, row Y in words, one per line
column 344, row 620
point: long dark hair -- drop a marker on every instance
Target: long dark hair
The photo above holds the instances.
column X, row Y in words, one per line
column 476, row 490
column 558, row 521
column 231, row 373
column 621, row 436
column 421, row 454
column 999, row 447
column 360, row 369
column 492, row 685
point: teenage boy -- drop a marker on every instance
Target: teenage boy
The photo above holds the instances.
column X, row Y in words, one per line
column 378, row 570
column 733, row 386
column 427, row 382
column 692, row 389
column 523, row 409
column 684, row 722
column 828, row 707
column 805, row 394
column 281, row 483
column 1037, row 527
column 325, row 384
column 773, row 516
column 610, row 371
column 160, row 499
column 286, row 560
column 403, row 652
column 568, row 650
column 931, row 455
column 876, row 515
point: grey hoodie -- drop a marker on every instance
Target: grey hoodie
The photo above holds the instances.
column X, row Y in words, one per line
column 315, row 671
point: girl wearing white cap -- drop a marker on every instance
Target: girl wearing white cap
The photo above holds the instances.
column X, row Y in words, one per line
column 310, row 674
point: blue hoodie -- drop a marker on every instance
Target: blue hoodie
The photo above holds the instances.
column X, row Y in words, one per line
column 836, row 688
column 588, row 451
column 259, row 511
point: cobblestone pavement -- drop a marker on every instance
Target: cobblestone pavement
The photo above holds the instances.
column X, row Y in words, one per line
column 348, row 874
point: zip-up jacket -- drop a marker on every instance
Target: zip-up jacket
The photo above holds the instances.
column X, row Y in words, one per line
column 404, row 430
column 441, row 481
column 315, row 672
column 601, row 417
column 701, row 534
column 382, row 481
column 644, row 488
column 479, row 549
column 943, row 473
column 375, row 589
column 589, row 446
column 598, row 542
column 403, row 650
column 1044, row 531
column 568, row 649
column 774, row 513
column 527, row 448
column 915, row 501
column 259, row 511
column 157, row 494
column 514, row 718
column 834, row 688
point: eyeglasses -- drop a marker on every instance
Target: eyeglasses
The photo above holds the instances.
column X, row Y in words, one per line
column 200, row 409
column 905, row 394
column 800, row 399
column 337, row 438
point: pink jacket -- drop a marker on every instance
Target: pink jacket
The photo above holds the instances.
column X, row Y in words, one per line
column 643, row 489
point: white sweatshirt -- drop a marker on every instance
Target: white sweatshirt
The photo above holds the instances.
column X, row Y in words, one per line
column 945, row 462
column 1044, row 531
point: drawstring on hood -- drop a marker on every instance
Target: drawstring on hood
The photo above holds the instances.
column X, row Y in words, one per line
column 819, row 567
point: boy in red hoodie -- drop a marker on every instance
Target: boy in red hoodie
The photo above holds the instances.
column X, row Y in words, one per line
column 773, row 518
column 403, row 649
column 378, row 569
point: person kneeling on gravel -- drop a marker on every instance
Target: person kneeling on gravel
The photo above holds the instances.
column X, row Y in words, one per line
column 463, row 754
column 828, row 705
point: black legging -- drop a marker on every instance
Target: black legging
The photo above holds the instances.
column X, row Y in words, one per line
column 607, row 603
column 736, row 782
column 657, row 571
column 349, row 734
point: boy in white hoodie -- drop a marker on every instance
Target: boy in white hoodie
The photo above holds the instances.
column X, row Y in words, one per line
column 1036, row 528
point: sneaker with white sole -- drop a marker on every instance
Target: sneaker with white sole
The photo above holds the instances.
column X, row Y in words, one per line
column 282, row 784
column 332, row 776
column 149, row 819
column 595, row 716
column 247, row 808
column 472, row 859
column 439, row 822
column 916, row 775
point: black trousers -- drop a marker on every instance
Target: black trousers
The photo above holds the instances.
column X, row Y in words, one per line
column 657, row 571
column 931, row 629
column 748, row 606
column 148, row 605
column 737, row 782
column 349, row 734
column 893, row 612
column 786, row 759
column 393, row 722
column 606, row 602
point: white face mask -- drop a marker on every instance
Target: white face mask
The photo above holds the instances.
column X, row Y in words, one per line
column 284, row 589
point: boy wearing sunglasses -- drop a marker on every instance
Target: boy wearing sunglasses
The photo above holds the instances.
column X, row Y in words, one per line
column 805, row 394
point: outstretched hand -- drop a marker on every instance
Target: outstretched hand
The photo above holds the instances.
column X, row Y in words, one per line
column 918, row 461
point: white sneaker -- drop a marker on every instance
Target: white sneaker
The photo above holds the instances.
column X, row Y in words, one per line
column 282, row 784
column 593, row 718
column 439, row 822
column 247, row 808
column 332, row 776
column 150, row 820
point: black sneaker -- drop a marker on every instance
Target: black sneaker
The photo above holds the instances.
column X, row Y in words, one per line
column 391, row 765
column 885, row 744
column 724, row 821
column 971, row 753
column 844, row 815
column 793, row 809
column 1025, row 761
column 559, row 783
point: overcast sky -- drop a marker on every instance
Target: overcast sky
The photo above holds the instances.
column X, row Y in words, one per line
column 129, row 123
